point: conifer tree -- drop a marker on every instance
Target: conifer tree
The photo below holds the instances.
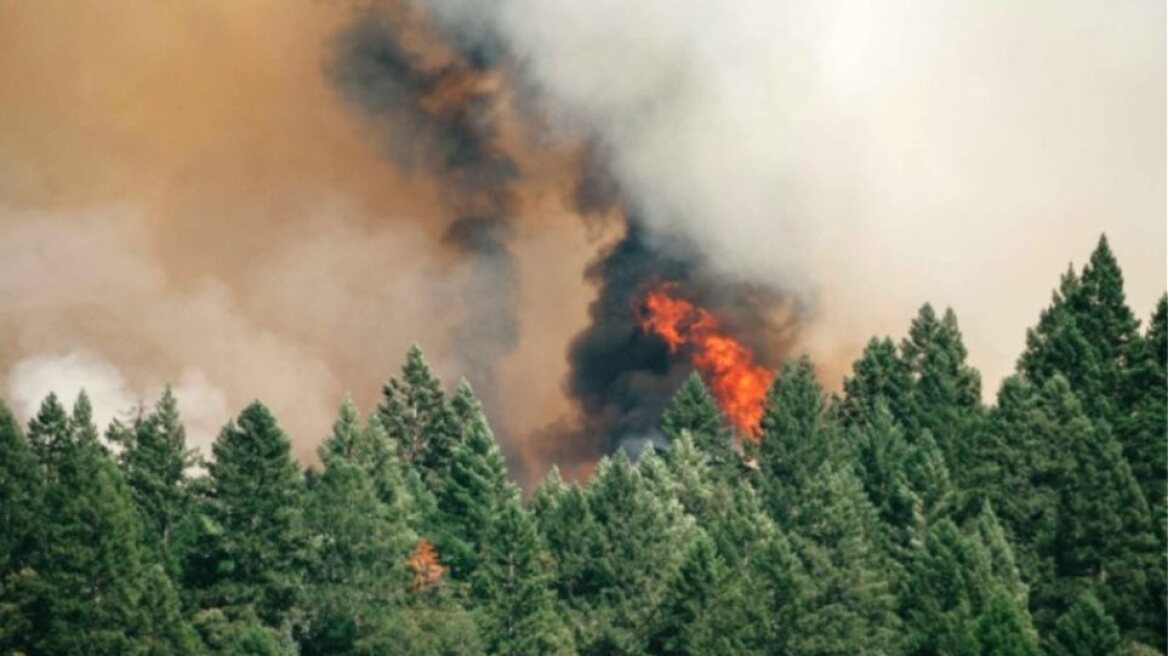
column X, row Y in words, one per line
column 879, row 377
column 154, row 458
column 357, row 575
column 20, row 495
column 1142, row 431
column 565, row 521
column 703, row 609
column 91, row 582
column 516, row 606
column 1002, row 628
column 419, row 421
column 946, row 391
column 644, row 539
column 832, row 530
column 883, row 455
column 251, row 552
column 1103, row 535
column 1085, row 630
column 473, row 494
column 796, row 437
column 1088, row 335
column 693, row 409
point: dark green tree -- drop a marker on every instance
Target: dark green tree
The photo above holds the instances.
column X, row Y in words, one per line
column 154, row 458
column 20, row 495
column 693, row 409
column 357, row 576
column 832, row 529
column 1085, row 630
column 637, row 548
column 879, row 377
column 797, row 437
column 946, row 391
column 419, row 421
column 516, row 606
column 1142, row 431
column 249, row 557
column 93, row 593
column 1088, row 335
column 475, row 492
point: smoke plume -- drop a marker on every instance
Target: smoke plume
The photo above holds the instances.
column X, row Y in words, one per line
column 274, row 200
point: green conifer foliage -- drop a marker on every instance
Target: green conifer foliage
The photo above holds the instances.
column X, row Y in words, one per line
column 516, row 606
column 1085, row 630
column 693, row 409
column 253, row 538
column 154, row 459
column 833, row 530
column 796, row 437
column 472, row 496
column 357, row 576
column 879, row 377
column 90, row 582
column 639, row 544
column 420, row 423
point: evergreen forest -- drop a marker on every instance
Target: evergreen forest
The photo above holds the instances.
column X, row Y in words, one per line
column 902, row 515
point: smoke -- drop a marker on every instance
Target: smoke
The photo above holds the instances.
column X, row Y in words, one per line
column 203, row 407
column 848, row 152
column 438, row 108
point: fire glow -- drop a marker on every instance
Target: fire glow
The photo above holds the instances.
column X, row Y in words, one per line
column 738, row 382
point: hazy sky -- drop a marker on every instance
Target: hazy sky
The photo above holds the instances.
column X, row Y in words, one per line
column 185, row 198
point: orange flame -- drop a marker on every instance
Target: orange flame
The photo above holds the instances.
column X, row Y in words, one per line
column 738, row 383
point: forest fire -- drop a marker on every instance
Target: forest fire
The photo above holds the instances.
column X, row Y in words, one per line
column 736, row 379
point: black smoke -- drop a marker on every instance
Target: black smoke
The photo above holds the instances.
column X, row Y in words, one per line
column 622, row 377
column 440, row 120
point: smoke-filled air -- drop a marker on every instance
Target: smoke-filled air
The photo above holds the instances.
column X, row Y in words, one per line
column 704, row 268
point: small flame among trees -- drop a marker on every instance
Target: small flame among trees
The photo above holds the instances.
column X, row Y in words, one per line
column 428, row 569
column 737, row 381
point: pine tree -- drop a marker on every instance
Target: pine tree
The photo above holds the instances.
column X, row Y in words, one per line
column 883, row 455
column 357, row 576
column 20, row 495
column 90, row 582
column 251, row 549
column 693, row 409
column 1002, row 628
column 940, row 600
column 1086, row 630
column 475, row 491
column 946, row 391
column 517, row 608
column 703, row 610
column 419, row 421
column 879, row 377
column 796, row 437
column 638, row 546
column 1103, row 536
column 154, row 459
column 1142, row 431
column 832, row 529
column 1088, row 335
column 571, row 533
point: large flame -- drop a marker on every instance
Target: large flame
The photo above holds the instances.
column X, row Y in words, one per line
column 738, row 383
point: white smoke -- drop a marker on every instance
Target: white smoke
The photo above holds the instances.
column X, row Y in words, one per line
column 873, row 156
column 203, row 406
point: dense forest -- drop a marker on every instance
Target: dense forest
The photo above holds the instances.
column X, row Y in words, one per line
column 901, row 516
